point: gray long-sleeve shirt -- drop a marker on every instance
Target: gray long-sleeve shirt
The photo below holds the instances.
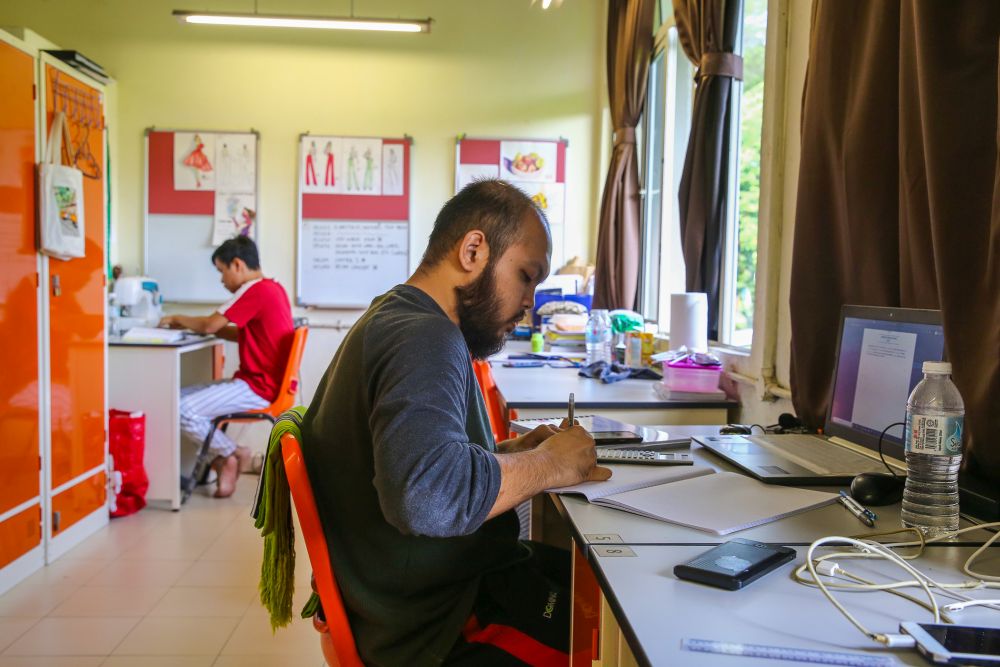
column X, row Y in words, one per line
column 397, row 445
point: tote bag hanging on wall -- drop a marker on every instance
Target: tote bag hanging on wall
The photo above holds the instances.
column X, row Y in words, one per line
column 60, row 198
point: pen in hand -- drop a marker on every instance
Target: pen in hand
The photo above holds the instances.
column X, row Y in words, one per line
column 572, row 408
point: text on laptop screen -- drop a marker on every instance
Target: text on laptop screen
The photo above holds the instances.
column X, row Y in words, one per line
column 880, row 364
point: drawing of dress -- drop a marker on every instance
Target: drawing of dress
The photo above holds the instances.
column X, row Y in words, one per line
column 392, row 172
column 352, row 170
column 311, row 164
column 369, row 169
column 329, row 178
column 198, row 161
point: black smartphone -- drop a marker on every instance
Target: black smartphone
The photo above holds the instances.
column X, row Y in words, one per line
column 734, row 564
column 955, row 644
column 615, row 437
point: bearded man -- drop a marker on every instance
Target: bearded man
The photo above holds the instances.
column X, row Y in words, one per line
column 415, row 498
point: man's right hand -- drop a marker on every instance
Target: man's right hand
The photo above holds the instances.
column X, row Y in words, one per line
column 573, row 457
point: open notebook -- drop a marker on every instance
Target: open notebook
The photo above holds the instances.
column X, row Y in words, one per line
column 698, row 497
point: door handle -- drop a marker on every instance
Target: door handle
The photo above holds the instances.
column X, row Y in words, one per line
column 56, row 286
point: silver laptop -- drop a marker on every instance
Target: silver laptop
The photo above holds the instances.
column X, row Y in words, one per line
column 880, row 353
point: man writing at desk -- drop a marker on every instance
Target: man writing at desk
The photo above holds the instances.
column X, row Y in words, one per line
column 259, row 318
column 415, row 497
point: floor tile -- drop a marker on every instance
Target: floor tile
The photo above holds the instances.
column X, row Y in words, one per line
column 276, row 660
column 165, row 636
column 50, row 661
column 220, row 573
column 205, row 601
column 160, row 661
column 72, row 636
column 33, row 599
column 148, row 573
column 109, row 601
column 13, row 627
column 253, row 636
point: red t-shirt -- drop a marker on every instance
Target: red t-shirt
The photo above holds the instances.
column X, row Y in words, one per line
column 261, row 311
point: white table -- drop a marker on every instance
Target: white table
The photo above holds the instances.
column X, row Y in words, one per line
column 148, row 377
column 655, row 610
column 544, row 392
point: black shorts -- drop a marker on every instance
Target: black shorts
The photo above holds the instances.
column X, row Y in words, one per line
column 521, row 615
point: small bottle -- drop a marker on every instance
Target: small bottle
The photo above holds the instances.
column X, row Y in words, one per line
column 598, row 337
column 935, row 421
column 537, row 342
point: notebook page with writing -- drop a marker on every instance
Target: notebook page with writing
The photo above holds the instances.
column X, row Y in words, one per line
column 722, row 503
column 630, row 477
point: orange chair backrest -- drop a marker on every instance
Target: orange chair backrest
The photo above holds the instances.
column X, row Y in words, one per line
column 319, row 554
column 491, row 394
column 290, row 382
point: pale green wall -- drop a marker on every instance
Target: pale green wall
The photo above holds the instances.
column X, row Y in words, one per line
column 488, row 67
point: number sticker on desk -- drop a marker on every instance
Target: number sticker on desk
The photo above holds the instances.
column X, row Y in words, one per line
column 614, row 552
column 603, row 538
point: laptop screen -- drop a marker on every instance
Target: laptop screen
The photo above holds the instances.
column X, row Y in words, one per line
column 880, row 356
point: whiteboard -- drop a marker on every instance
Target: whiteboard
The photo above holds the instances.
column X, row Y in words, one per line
column 350, row 262
column 182, row 262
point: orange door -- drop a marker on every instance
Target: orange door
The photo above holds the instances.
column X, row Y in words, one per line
column 19, row 435
column 76, row 301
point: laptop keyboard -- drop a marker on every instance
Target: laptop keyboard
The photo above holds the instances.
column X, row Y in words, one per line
column 817, row 455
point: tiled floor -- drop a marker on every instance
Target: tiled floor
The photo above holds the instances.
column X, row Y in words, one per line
column 158, row 589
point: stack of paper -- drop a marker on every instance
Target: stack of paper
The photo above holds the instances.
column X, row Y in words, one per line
column 699, row 498
column 149, row 335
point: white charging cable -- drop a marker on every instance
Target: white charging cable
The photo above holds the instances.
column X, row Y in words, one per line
column 825, row 566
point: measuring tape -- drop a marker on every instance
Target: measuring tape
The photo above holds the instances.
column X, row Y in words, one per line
column 780, row 653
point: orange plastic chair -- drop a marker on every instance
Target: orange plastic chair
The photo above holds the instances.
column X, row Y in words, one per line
column 336, row 639
column 496, row 411
column 284, row 401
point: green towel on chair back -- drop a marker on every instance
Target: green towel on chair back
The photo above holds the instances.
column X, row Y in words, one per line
column 272, row 513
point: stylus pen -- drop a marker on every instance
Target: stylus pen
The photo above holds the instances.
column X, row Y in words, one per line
column 856, row 510
column 572, row 408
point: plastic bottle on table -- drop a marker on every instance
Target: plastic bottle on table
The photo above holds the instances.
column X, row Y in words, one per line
column 935, row 421
column 598, row 337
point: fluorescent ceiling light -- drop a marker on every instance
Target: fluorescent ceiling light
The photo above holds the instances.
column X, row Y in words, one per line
column 313, row 22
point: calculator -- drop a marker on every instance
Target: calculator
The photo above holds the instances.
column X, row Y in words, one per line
column 643, row 456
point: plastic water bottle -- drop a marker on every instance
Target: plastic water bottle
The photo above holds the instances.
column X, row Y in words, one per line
column 935, row 420
column 598, row 337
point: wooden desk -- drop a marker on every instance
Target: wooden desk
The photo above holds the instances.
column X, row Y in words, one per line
column 149, row 377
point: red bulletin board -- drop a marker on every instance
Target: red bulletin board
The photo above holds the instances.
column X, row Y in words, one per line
column 180, row 222
column 353, row 241
column 544, row 179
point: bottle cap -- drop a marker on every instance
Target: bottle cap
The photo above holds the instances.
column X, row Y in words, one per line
column 937, row 367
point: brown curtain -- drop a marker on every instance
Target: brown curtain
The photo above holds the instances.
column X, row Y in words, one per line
column 899, row 192
column 707, row 30
column 630, row 45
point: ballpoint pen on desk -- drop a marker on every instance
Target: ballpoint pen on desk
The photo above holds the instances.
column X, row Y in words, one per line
column 572, row 408
column 864, row 515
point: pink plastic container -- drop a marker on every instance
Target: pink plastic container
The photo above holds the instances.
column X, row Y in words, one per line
column 688, row 376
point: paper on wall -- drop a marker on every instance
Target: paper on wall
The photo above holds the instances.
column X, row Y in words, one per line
column 235, row 215
column 236, row 162
column 550, row 197
column 363, row 166
column 322, row 167
column 194, row 157
column 528, row 161
column 392, row 169
column 468, row 173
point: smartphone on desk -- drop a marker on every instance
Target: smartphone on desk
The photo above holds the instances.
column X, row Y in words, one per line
column 734, row 564
column 955, row 644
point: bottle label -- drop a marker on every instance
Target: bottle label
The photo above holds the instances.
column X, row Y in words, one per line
column 934, row 434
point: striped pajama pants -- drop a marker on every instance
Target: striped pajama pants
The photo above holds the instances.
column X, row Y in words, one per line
column 202, row 403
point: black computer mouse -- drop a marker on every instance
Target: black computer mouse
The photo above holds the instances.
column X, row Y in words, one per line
column 877, row 488
column 734, row 429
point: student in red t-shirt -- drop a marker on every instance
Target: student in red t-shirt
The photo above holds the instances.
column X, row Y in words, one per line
column 259, row 318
